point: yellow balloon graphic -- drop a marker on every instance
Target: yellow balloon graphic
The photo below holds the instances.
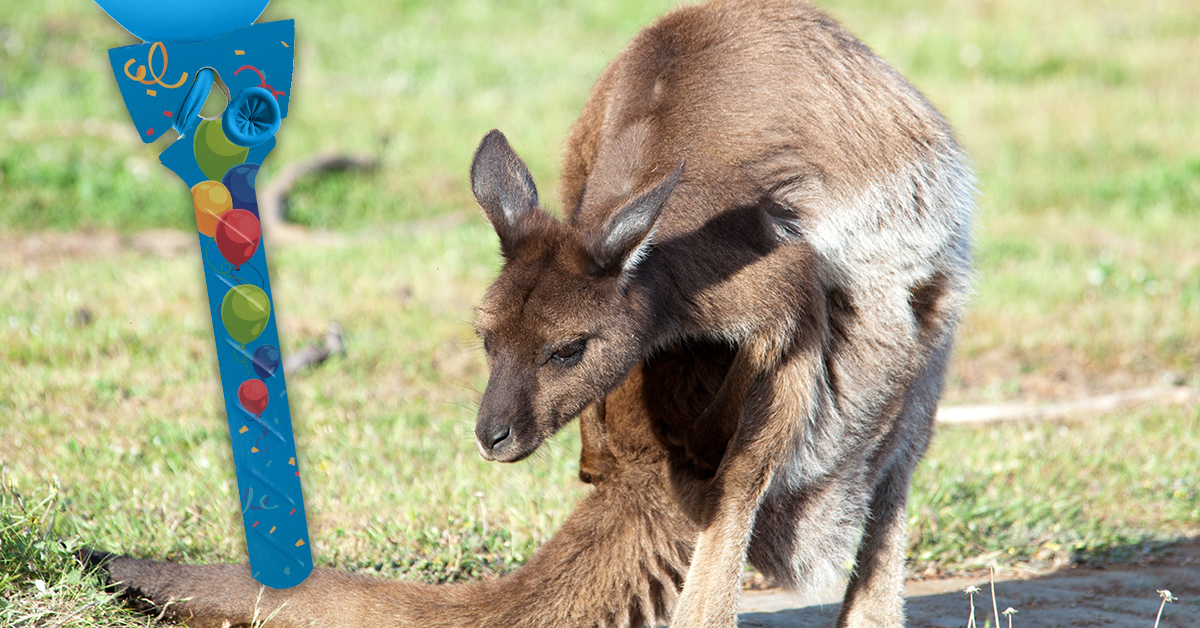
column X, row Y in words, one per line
column 212, row 200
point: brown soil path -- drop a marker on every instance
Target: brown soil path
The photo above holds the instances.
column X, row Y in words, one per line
column 1116, row 595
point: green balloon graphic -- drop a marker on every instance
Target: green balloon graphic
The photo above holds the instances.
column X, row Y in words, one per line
column 245, row 310
column 215, row 154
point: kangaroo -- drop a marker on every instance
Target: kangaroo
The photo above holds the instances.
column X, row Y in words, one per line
column 744, row 172
column 618, row 561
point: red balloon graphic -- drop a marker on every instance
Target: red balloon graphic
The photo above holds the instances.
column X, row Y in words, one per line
column 253, row 395
column 238, row 234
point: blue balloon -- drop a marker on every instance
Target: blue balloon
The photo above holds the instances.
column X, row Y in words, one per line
column 188, row 113
column 251, row 117
column 182, row 21
column 266, row 361
column 240, row 183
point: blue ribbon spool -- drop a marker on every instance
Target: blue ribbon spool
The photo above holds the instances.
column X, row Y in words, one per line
column 251, row 118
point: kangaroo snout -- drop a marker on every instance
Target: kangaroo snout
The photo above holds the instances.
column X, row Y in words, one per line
column 495, row 439
column 504, row 440
column 505, row 429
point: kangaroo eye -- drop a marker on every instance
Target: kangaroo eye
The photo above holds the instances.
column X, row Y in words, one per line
column 569, row 353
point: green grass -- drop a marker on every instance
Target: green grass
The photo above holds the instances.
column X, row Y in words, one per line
column 125, row 409
column 416, row 83
column 1065, row 106
column 1080, row 118
column 40, row 583
column 1051, row 493
column 124, row 413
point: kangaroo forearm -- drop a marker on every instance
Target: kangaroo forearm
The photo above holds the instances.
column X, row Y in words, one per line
column 714, row 577
column 773, row 408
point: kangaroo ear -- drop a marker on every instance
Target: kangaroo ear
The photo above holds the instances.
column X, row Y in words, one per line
column 504, row 188
column 628, row 234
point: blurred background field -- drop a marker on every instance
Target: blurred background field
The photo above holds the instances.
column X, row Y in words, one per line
column 1080, row 117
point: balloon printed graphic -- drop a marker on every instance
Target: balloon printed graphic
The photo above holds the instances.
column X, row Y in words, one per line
column 266, row 361
column 238, row 234
column 245, row 311
column 215, row 154
column 212, row 200
column 192, row 47
column 240, row 183
column 253, row 396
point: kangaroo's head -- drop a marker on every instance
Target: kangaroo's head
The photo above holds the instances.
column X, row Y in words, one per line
column 561, row 325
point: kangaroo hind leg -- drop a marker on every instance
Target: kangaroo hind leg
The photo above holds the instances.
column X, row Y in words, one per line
column 875, row 594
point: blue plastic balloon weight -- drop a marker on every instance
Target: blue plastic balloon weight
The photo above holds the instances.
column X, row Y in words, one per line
column 182, row 21
column 251, row 117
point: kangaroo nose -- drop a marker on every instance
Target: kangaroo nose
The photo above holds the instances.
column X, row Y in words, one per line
column 500, row 436
column 493, row 440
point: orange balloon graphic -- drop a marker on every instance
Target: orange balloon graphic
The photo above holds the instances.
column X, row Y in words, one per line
column 212, row 200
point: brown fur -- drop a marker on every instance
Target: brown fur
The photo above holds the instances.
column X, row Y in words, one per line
column 744, row 172
column 618, row 561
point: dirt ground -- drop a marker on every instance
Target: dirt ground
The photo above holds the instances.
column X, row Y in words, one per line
column 1116, row 595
